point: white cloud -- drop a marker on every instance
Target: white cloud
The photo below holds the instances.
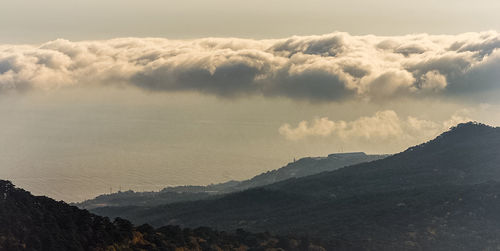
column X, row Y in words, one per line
column 331, row 67
column 383, row 125
column 434, row 81
column 319, row 127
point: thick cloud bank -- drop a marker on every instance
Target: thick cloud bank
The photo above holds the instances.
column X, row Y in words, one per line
column 331, row 67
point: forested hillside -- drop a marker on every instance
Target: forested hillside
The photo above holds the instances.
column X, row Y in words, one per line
column 30, row 222
column 441, row 195
column 300, row 168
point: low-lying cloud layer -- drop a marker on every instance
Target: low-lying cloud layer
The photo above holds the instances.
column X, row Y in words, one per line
column 383, row 125
column 331, row 67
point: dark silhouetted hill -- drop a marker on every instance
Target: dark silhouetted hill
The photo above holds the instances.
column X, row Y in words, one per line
column 30, row 222
column 440, row 195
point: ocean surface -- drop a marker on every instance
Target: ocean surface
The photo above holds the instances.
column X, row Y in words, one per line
column 74, row 145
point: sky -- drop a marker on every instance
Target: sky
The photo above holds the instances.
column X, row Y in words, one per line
column 146, row 94
column 30, row 21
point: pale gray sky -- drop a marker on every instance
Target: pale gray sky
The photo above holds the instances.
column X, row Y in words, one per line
column 31, row 21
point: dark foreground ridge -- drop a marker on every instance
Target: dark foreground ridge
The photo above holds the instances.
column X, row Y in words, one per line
column 440, row 195
column 30, row 222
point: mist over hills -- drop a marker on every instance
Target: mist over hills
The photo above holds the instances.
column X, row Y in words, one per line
column 440, row 195
column 300, row 168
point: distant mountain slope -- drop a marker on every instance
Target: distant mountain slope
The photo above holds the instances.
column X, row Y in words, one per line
column 30, row 222
column 467, row 154
column 308, row 166
column 300, row 168
column 441, row 195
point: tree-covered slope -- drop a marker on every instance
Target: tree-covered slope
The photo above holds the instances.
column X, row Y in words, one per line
column 30, row 222
column 441, row 195
column 300, row 168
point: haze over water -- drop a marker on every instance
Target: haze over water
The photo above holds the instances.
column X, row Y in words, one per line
column 193, row 92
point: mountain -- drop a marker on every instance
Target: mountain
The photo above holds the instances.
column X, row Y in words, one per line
column 300, row 168
column 308, row 166
column 30, row 222
column 440, row 195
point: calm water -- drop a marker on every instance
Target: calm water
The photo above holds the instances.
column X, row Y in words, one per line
column 75, row 145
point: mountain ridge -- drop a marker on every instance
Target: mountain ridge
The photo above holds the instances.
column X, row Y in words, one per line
column 30, row 222
column 439, row 195
column 299, row 168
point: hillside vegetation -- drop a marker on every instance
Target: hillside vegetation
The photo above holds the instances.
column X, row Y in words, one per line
column 440, row 195
column 300, row 168
column 30, row 222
